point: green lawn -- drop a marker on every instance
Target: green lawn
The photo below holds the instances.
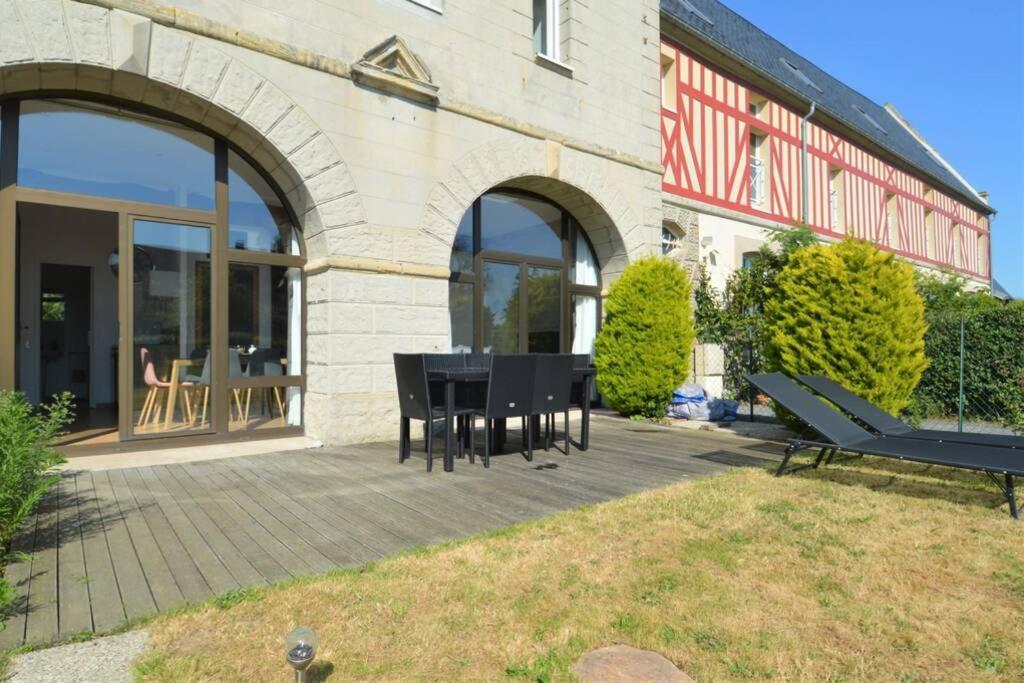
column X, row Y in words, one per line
column 872, row 570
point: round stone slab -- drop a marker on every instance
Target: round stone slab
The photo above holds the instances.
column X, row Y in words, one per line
column 624, row 663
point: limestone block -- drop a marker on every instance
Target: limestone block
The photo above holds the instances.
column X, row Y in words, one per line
column 130, row 36
column 94, row 79
column 430, row 292
column 418, row 246
column 205, row 69
column 347, row 379
column 237, row 87
column 342, row 212
column 220, row 121
column 22, row 77
column 267, row 108
column 331, row 184
column 354, row 287
column 318, row 287
column 318, row 318
column 410, row 320
column 168, row 54
column 293, row 131
column 160, row 96
column 315, row 157
column 191, row 106
column 361, row 241
column 384, row 380
column 57, row 76
column 89, row 29
column 351, row 318
column 14, row 44
column 44, row 20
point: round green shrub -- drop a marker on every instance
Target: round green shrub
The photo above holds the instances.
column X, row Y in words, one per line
column 643, row 350
column 851, row 313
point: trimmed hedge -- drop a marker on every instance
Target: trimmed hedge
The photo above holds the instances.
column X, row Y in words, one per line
column 643, row 350
column 850, row 312
column 993, row 366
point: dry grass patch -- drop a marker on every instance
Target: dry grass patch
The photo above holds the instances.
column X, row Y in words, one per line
column 872, row 575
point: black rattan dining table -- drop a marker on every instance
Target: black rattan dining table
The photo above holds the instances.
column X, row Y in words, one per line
column 453, row 376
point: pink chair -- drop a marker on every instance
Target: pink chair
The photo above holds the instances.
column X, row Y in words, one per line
column 150, row 411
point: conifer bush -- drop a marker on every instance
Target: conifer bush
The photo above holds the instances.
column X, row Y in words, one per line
column 643, row 350
column 850, row 312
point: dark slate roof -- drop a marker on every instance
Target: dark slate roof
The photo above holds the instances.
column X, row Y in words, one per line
column 999, row 292
column 738, row 37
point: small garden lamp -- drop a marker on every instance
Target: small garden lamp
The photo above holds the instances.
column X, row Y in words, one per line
column 300, row 649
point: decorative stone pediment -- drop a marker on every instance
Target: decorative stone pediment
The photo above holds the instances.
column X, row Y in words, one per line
column 394, row 68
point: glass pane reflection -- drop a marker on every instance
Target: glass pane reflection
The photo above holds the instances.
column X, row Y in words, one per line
column 96, row 150
column 544, row 306
column 501, row 308
column 521, row 225
column 257, row 219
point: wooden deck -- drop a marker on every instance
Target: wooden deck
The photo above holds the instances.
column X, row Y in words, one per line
column 108, row 547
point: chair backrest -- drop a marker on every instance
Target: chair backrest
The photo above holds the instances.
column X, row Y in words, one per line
column 581, row 360
column 478, row 360
column 204, row 378
column 265, row 363
column 552, row 384
column 808, row 408
column 865, row 411
column 413, row 389
column 444, row 361
column 234, row 363
column 510, row 385
column 148, row 370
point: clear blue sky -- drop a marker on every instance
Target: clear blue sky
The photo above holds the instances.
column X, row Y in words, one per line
column 955, row 70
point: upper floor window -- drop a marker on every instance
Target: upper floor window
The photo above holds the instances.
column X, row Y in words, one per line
column 545, row 29
column 758, row 170
column 930, row 236
column 835, row 199
column 668, row 78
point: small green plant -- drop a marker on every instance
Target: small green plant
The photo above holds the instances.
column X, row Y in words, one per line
column 643, row 350
column 26, row 461
column 26, row 457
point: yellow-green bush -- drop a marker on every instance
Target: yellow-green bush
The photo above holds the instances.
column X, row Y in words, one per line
column 850, row 312
column 643, row 350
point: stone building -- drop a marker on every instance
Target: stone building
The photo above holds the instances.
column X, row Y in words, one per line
column 220, row 220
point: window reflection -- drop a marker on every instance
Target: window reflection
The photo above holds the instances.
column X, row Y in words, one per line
column 544, row 320
column 460, row 303
column 263, row 319
column 520, row 225
column 501, row 308
column 257, row 219
column 90, row 149
column 462, row 249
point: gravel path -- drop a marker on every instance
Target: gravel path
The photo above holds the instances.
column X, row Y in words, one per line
column 103, row 660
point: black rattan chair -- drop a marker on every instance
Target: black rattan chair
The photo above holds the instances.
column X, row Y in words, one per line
column 415, row 403
column 509, row 394
column 552, row 387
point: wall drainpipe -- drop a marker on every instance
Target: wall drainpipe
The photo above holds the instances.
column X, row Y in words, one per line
column 804, row 165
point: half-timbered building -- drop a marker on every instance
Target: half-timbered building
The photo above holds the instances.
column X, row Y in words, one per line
column 755, row 136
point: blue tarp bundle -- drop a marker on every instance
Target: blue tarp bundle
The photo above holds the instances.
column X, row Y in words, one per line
column 691, row 402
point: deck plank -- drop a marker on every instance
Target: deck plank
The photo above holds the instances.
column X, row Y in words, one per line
column 73, row 614
column 149, row 539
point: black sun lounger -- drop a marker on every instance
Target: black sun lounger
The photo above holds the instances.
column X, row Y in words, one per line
column 882, row 422
column 838, row 433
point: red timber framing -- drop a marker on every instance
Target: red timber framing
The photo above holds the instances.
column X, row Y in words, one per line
column 706, row 154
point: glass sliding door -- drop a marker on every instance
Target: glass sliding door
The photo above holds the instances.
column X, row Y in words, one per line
column 544, row 304
column 501, row 307
column 171, row 376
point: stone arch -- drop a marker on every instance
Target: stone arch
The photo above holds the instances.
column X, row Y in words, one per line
column 65, row 47
column 582, row 183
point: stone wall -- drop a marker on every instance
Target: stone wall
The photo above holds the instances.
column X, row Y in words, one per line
column 379, row 181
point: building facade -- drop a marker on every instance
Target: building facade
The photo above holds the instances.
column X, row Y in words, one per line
column 756, row 137
column 220, row 220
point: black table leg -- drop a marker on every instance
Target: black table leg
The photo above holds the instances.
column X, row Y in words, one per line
column 585, row 417
column 449, row 426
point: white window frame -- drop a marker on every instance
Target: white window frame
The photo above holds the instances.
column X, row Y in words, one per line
column 758, row 171
column 552, row 39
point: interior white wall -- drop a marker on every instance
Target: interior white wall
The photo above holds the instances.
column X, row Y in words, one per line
column 51, row 234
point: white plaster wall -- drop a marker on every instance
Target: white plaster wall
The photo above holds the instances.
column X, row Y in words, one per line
column 729, row 240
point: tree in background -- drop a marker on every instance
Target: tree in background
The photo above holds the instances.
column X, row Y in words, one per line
column 735, row 318
column 642, row 352
column 850, row 312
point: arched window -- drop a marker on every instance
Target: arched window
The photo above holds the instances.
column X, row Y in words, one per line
column 524, row 278
column 175, row 264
